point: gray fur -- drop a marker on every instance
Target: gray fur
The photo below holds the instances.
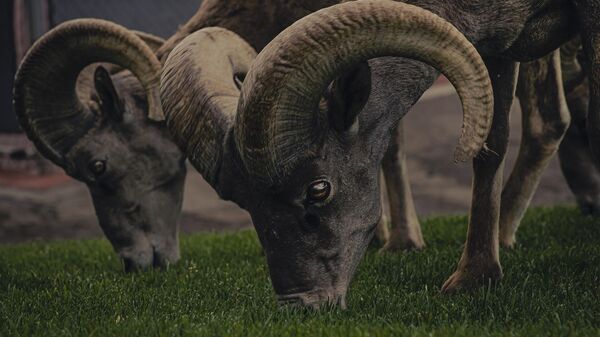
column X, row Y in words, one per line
column 138, row 198
column 129, row 162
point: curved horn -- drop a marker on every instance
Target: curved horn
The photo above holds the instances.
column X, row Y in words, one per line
column 199, row 93
column 45, row 98
column 278, row 123
column 153, row 41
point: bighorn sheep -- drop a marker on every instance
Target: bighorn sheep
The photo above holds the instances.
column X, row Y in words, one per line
column 106, row 129
column 302, row 153
column 406, row 233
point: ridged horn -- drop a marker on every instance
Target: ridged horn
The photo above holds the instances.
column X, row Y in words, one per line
column 278, row 123
column 153, row 41
column 45, row 97
column 199, row 93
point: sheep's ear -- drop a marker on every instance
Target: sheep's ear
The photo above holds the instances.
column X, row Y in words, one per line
column 111, row 105
column 347, row 96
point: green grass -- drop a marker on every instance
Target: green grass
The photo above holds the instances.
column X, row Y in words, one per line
column 221, row 287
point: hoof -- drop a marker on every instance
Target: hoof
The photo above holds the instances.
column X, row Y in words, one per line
column 396, row 246
column 589, row 209
column 508, row 243
column 471, row 276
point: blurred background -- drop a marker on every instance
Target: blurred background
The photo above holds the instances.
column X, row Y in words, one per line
column 39, row 202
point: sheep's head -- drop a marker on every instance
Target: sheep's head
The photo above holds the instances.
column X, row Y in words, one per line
column 299, row 143
column 106, row 129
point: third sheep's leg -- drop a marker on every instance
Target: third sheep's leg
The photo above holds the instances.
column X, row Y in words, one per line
column 406, row 230
column 579, row 169
column 480, row 262
column 545, row 119
column 576, row 162
column 588, row 13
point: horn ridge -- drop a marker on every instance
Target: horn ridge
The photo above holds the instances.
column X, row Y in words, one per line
column 200, row 95
column 277, row 117
column 45, row 97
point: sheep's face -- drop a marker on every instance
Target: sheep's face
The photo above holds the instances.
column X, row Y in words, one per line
column 135, row 174
column 315, row 230
column 316, row 224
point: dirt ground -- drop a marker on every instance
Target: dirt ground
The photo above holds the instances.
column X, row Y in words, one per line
column 60, row 208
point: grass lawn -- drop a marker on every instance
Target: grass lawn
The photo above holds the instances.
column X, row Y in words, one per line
column 221, row 288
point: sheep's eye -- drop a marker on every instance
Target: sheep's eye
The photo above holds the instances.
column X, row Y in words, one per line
column 318, row 191
column 97, row 167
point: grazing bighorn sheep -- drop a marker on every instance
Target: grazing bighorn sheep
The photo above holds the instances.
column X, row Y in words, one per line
column 105, row 129
column 302, row 153
column 281, row 160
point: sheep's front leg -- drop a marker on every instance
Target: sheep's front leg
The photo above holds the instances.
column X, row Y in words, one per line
column 406, row 230
column 480, row 263
column 545, row 121
column 589, row 12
